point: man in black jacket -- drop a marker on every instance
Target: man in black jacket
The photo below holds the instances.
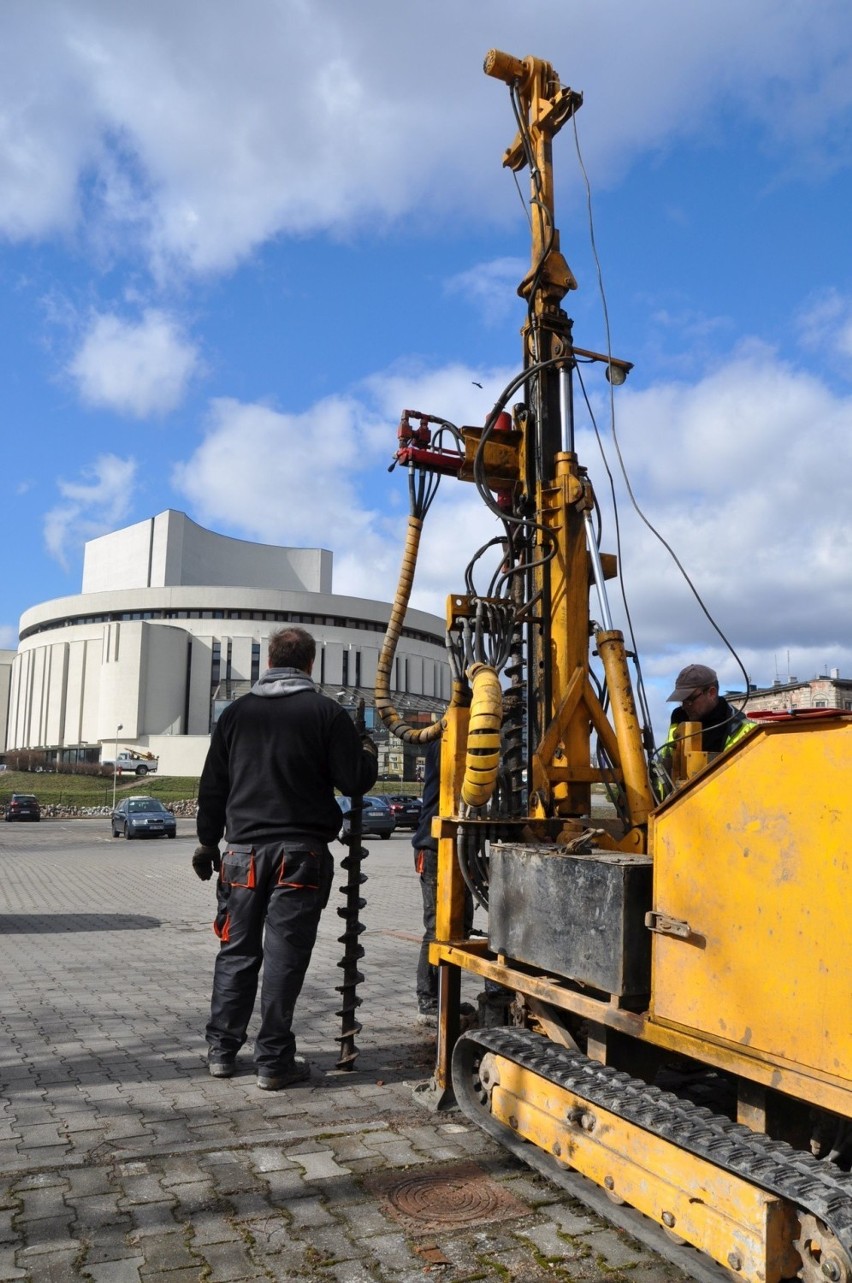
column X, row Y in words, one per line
column 275, row 759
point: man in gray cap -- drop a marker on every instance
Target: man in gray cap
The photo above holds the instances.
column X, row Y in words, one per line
column 696, row 693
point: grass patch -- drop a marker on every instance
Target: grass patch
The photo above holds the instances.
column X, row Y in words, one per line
column 92, row 790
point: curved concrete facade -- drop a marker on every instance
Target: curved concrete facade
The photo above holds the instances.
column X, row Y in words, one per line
column 158, row 641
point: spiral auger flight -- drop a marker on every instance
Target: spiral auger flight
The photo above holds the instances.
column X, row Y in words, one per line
column 353, row 950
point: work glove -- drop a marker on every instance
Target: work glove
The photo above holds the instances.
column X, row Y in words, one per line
column 367, row 744
column 204, row 860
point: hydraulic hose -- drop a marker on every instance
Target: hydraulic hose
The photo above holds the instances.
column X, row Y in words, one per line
column 482, row 762
column 384, row 705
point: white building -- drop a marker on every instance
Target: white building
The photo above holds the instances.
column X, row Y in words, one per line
column 174, row 620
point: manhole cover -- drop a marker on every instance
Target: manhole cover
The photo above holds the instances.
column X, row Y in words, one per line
column 444, row 1198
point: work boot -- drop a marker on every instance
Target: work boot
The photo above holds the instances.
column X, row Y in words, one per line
column 298, row 1071
column 221, row 1064
column 468, row 1016
column 427, row 1013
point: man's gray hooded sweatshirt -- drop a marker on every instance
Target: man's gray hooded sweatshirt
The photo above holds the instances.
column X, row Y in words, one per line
column 275, row 759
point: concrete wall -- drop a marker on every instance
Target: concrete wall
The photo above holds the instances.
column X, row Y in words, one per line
column 163, row 682
column 169, row 550
column 6, row 660
column 180, row 754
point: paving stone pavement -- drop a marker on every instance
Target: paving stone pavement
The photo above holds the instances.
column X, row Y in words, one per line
column 121, row 1160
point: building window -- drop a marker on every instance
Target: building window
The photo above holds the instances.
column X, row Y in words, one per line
column 216, row 664
column 255, row 661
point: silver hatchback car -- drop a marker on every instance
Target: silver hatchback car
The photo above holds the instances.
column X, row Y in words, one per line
column 143, row 817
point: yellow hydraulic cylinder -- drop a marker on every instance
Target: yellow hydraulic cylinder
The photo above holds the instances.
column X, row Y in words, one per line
column 634, row 768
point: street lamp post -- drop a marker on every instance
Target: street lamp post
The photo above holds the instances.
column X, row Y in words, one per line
column 118, row 728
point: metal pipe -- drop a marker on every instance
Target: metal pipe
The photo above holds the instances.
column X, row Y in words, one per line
column 566, row 407
column 118, row 728
column 628, row 732
column 597, row 573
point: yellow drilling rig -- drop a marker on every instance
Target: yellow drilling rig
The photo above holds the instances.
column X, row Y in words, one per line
column 704, row 932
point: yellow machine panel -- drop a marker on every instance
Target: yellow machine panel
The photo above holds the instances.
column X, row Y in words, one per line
column 751, row 895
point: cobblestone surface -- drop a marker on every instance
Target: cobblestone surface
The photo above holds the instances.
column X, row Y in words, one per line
column 122, row 1161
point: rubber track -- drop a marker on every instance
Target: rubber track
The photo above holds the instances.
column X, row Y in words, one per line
column 817, row 1187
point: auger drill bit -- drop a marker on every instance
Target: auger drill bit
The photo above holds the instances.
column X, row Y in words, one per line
column 353, row 950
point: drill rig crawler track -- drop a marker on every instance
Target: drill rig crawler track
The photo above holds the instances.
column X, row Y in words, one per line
column 816, row 1192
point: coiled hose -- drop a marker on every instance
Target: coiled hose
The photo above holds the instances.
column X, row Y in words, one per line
column 384, row 704
column 482, row 762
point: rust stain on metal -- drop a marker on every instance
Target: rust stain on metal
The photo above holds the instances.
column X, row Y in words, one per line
column 443, row 1198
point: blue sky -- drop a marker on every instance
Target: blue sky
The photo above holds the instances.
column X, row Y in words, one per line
column 238, row 239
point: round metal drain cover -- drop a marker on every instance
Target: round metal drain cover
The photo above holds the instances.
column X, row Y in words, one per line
column 444, row 1197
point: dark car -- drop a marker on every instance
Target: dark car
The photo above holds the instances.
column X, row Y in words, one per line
column 406, row 811
column 376, row 817
column 23, row 806
column 142, row 817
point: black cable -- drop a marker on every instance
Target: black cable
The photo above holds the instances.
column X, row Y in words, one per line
column 641, row 697
column 616, row 443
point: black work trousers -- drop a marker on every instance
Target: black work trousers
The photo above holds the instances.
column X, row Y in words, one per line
column 269, row 901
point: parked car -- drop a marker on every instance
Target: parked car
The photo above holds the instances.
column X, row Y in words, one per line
column 142, row 817
column 23, row 806
column 406, row 811
column 376, row 817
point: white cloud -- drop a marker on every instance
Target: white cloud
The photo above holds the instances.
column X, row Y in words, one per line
column 743, row 473
column 285, row 478
column 491, row 287
column 92, row 506
column 826, row 326
column 302, row 479
column 206, row 129
column 139, row 368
